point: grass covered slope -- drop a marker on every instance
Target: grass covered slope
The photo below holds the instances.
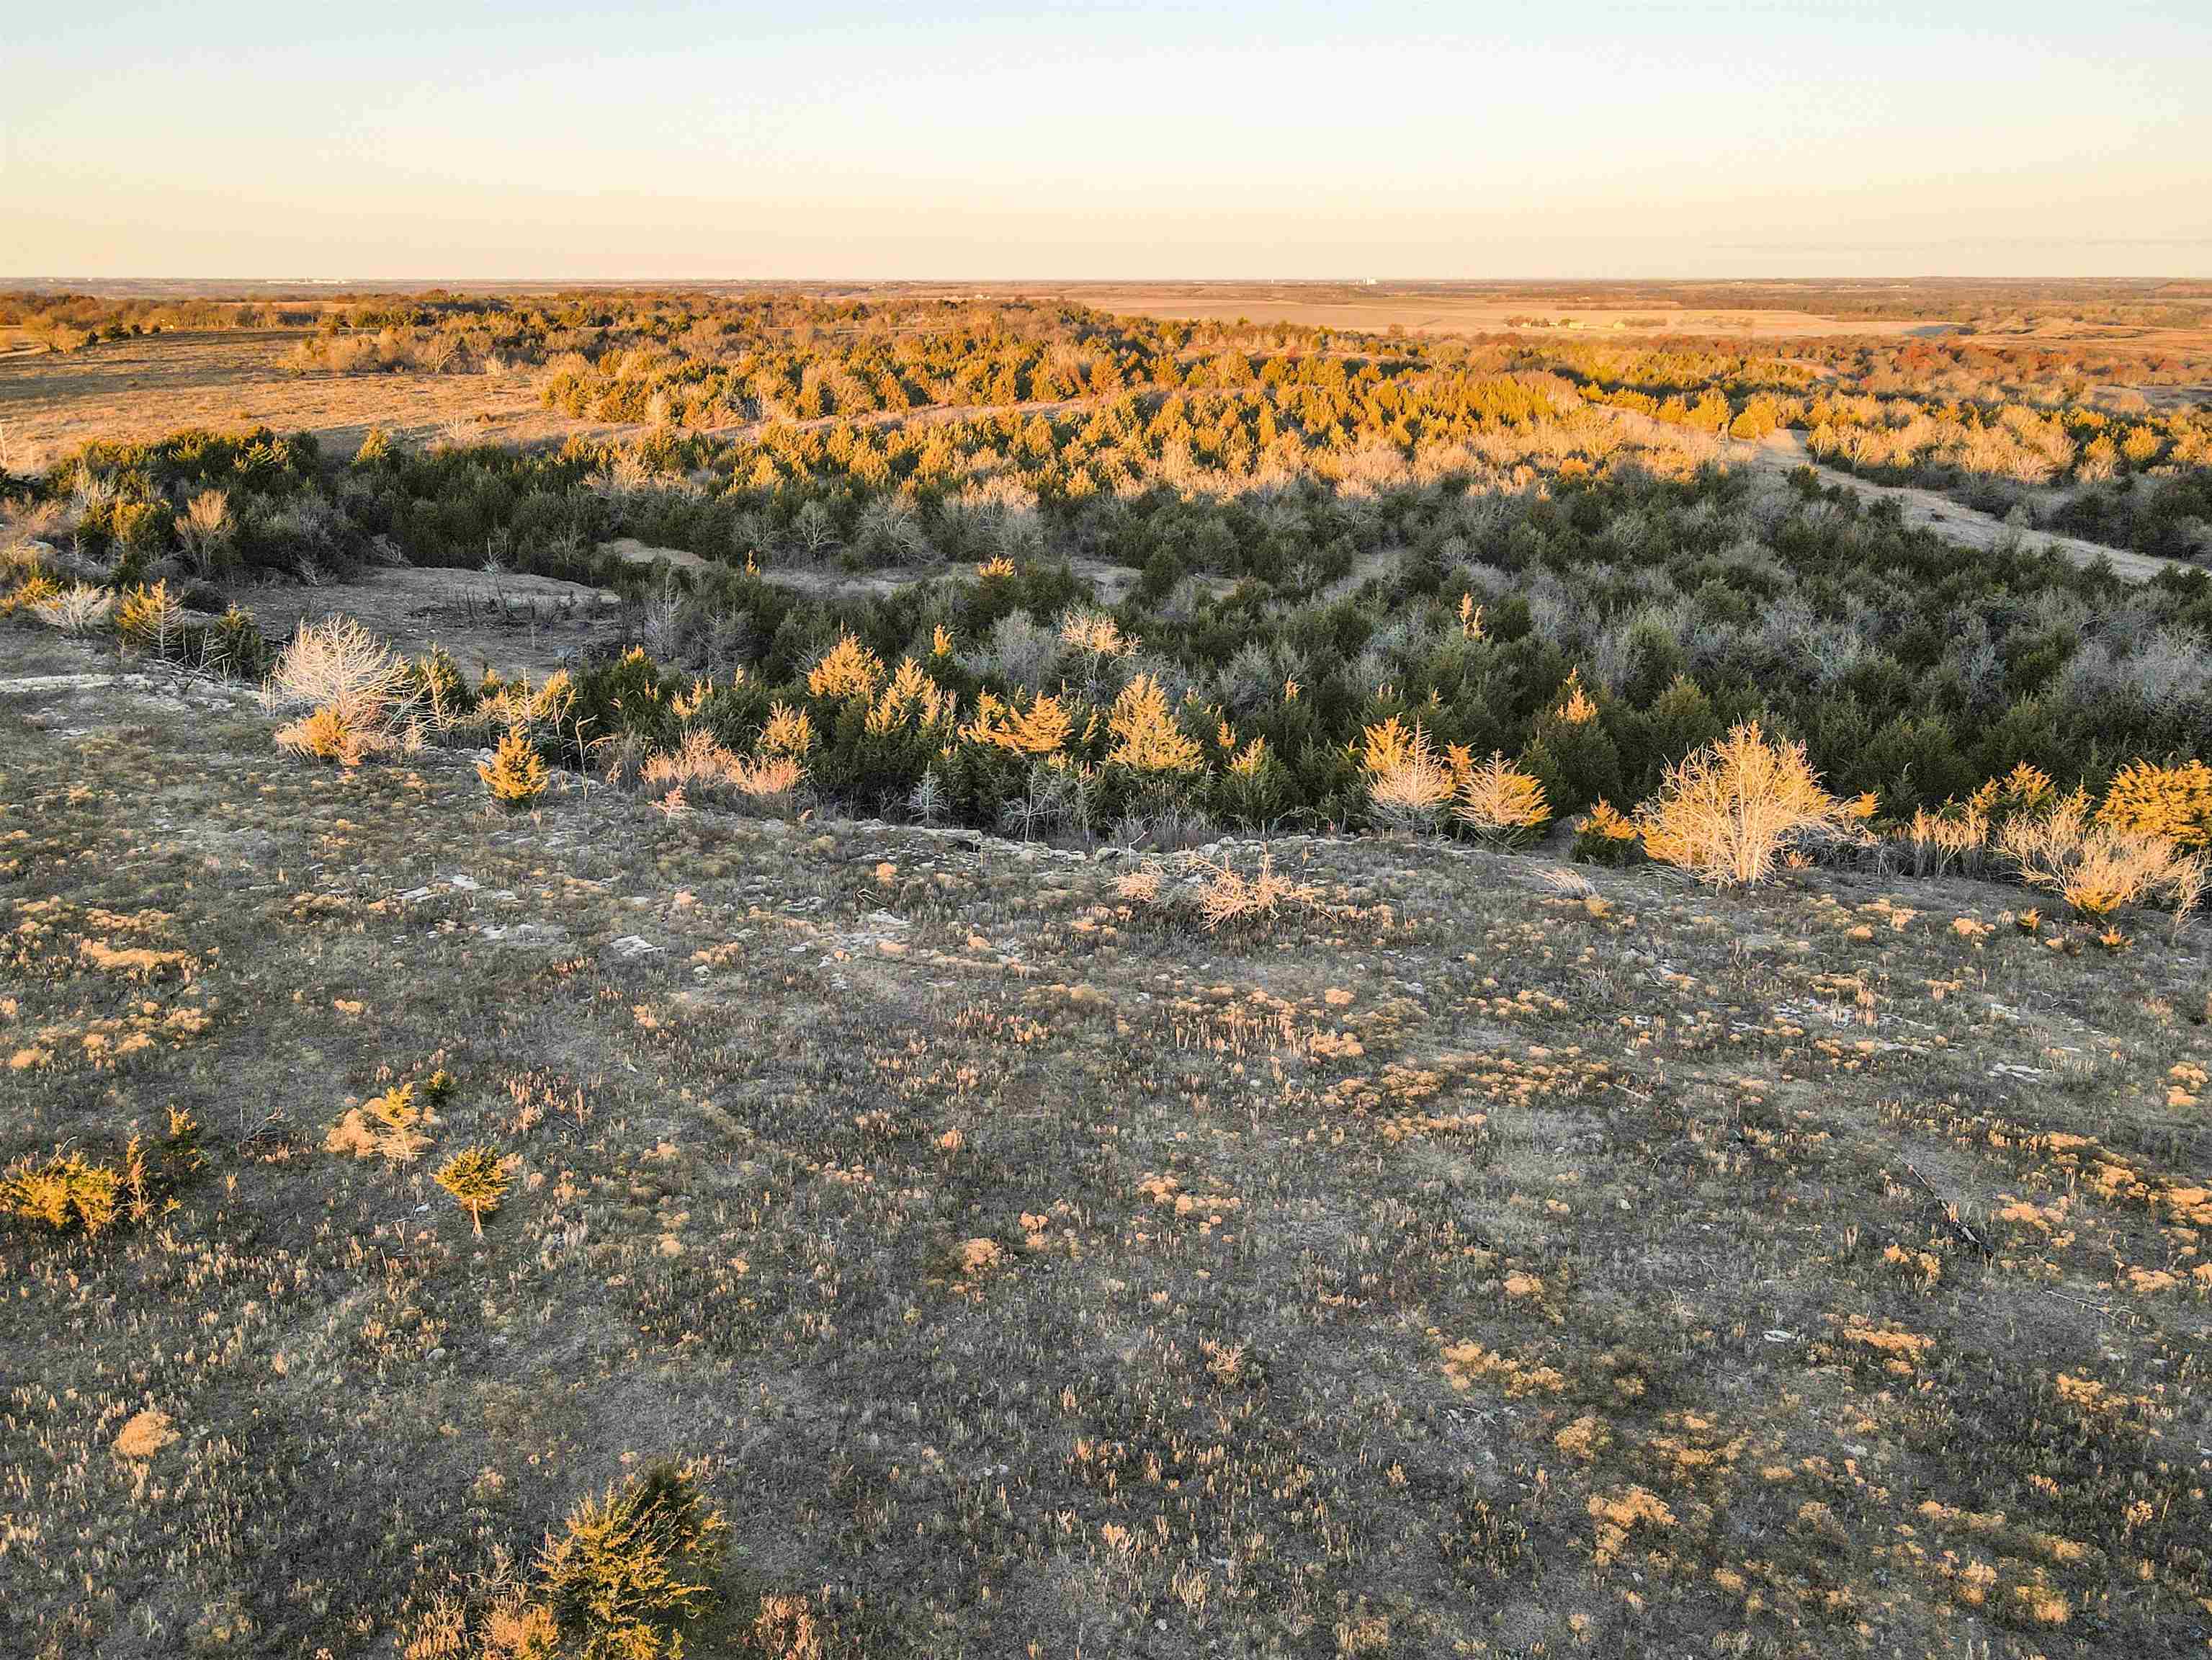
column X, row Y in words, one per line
column 1462, row 1260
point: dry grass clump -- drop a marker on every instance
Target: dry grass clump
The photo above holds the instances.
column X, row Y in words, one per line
column 1228, row 896
column 1729, row 811
column 2097, row 865
column 1957, row 836
column 696, row 761
column 1141, row 885
column 355, row 686
column 786, row 1629
column 701, row 767
column 144, row 1434
column 1952, row 838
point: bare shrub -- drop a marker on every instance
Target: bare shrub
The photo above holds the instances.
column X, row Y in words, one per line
column 2100, row 867
column 356, row 686
column 1220, row 895
column 1728, row 812
column 1228, row 896
column 78, row 609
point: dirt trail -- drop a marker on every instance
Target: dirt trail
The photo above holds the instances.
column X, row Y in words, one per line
column 516, row 624
column 1784, row 451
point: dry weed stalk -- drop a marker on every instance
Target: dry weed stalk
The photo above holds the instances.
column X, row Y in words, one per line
column 1228, row 896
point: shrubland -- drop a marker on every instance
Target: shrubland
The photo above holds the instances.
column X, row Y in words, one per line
column 643, row 1209
column 1338, row 544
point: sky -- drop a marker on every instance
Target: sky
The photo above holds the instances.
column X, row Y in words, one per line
column 1127, row 139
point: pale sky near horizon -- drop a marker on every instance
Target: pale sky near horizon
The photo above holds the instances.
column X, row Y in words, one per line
column 1130, row 138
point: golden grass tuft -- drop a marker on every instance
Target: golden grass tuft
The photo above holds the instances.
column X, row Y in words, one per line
column 785, row 1629
column 143, row 1434
column 767, row 777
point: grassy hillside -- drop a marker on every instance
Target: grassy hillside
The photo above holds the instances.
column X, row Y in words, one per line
column 1471, row 1256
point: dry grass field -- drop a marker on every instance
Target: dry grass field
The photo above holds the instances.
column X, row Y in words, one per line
column 2171, row 316
column 1449, row 311
column 51, row 402
column 1471, row 1257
